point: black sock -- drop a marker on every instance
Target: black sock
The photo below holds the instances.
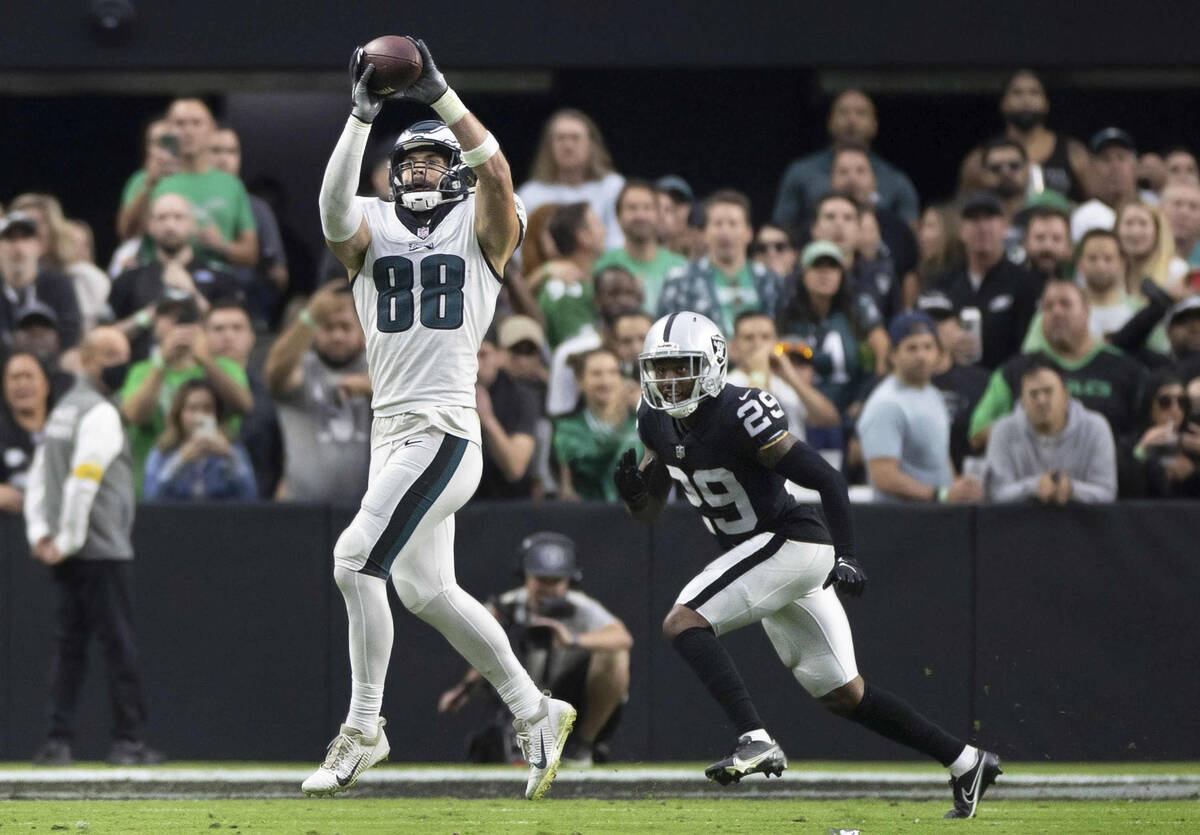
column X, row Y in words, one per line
column 711, row 663
column 891, row 716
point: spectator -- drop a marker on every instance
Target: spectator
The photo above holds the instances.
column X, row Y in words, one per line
column 59, row 254
column 230, row 335
column 176, row 272
column 571, row 645
column 1003, row 293
column 508, row 417
column 1113, row 181
column 317, row 373
column 1180, row 166
column 270, row 274
column 92, row 284
column 37, row 334
column 1166, row 454
column 774, row 249
column 617, row 292
column 1151, row 172
column 637, row 213
column 1006, row 169
column 27, row 404
column 537, row 248
column 226, row 232
column 572, row 164
column 1050, row 448
column 182, row 354
column 1181, row 207
column 1047, row 245
column 825, row 315
column 160, row 149
column 852, row 123
column 588, row 442
column 961, row 383
column 1099, row 375
column 524, row 342
column 904, row 428
column 783, row 369
column 1183, row 332
column 873, row 271
column 852, row 174
column 1058, row 162
column 193, row 460
column 723, row 283
column 25, row 282
column 78, row 521
column 939, row 249
column 565, row 298
column 675, row 203
column 1149, row 253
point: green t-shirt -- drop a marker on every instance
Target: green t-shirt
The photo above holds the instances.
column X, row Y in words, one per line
column 219, row 199
column 590, row 449
column 650, row 272
column 1035, row 340
column 567, row 308
column 142, row 437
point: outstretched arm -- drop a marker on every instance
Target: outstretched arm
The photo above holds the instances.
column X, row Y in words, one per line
column 496, row 223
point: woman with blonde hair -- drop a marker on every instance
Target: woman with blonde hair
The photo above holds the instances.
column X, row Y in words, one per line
column 939, row 250
column 1148, row 252
column 572, row 165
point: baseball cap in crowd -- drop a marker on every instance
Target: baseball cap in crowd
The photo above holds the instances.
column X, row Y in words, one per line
column 675, row 186
column 936, row 305
column 549, row 554
column 1049, row 200
column 981, row 204
column 36, row 313
column 1188, row 307
column 910, row 324
column 18, row 223
column 516, row 329
column 1101, row 139
column 817, row 250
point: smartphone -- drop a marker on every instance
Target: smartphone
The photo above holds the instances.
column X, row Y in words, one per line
column 169, row 142
column 205, row 425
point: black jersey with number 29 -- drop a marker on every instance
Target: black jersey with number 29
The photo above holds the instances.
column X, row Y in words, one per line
column 715, row 461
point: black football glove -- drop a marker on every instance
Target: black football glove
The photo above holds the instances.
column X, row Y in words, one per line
column 632, row 484
column 847, row 577
column 366, row 104
column 430, row 84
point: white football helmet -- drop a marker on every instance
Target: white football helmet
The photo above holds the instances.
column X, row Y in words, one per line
column 444, row 183
column 683, row 360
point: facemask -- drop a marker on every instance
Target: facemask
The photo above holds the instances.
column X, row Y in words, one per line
column 113, row 376
column 1024, row 120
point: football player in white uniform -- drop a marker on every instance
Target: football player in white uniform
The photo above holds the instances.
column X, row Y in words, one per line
column 425, row 271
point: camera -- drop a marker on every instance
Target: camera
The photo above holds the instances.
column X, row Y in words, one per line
column 556, row 607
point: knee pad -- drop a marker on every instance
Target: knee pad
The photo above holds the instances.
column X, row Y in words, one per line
column 416, row 595
column 353, row 546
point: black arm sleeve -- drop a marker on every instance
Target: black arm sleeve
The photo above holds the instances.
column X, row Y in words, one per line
column 1134, row 333
column 805, row 466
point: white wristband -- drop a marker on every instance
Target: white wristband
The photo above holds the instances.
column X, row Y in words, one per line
column 486, row 150
column 450, row 107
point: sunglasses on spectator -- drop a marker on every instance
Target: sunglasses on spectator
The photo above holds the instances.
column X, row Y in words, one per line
column 525, row 347
column 998, row 167
column 1166, row 401
column 772, row 246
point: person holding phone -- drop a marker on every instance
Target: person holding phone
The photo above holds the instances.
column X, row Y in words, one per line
column 1166, row 457
column 193, row 459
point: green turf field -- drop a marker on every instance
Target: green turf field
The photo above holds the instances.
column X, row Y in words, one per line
column 348, row 815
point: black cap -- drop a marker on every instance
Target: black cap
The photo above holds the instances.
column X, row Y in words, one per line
column 936, row 304
column 981, row 203
column 549, row 554
column 676, row 186
column 1111, row 136
column 36, row 313
column 18, row 222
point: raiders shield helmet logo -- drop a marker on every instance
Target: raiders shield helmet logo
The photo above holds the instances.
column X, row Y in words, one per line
column 679, row 451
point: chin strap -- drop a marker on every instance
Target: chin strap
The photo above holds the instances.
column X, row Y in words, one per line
column 421, row 201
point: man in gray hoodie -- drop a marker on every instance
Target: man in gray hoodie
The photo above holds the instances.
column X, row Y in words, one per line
column 1050, row 448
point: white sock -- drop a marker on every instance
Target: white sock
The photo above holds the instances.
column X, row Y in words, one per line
column 964, row 762
column 478, row 637
column 759, row 735
column 370, row 645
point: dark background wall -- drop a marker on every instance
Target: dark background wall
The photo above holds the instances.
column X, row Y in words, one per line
column 1045, row 634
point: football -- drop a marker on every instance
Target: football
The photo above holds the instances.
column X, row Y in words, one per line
column 397, row 63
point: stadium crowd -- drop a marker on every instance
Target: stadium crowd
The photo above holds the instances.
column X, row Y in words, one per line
column 1035, row 339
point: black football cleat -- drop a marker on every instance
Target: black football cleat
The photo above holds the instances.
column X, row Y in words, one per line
column 969, row 788
column 748, row 757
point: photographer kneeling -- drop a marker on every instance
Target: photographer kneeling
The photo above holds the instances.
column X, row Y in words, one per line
column 570, row 644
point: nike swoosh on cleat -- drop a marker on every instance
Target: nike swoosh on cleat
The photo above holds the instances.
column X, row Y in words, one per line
column 542, row 740
column 345, row 781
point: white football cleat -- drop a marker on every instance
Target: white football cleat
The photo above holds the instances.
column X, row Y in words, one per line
column 349, row 755
column 541, row 739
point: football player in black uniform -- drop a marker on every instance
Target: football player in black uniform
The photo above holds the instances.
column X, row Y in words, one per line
column 729, row 450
